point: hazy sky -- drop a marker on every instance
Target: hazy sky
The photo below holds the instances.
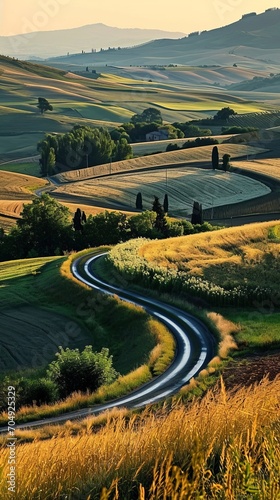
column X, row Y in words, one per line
column 23, row 16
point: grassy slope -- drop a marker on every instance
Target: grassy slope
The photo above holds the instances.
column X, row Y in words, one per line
column 34, row 285
column 246, row 255
column 229, row 255
column 109, row 100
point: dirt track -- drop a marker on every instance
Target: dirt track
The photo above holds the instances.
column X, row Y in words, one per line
column 251, row 370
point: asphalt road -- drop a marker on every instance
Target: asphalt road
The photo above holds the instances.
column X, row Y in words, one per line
column 195, row 347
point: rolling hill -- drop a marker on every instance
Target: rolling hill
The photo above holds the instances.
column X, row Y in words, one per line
column 91, row 37
column 108, row 100
column 251, row 42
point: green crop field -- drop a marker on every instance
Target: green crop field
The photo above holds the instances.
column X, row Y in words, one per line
column 109, row 100
column 35, row 319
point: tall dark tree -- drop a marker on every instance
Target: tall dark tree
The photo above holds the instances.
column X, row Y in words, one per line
column 226, row 164
column 48, row 158
column 197, row 213
column 165, row 203
column 77, row 220
column 139, row 201
column 44, row 105
column 215, row 157
column 160, row 222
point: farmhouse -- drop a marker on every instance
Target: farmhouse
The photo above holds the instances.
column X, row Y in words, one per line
column 157, row 135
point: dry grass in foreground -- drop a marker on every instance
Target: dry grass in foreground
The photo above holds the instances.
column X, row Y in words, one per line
column 225, row 446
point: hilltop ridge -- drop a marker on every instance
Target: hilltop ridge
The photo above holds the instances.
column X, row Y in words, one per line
column 246, row 41
column 43, row 44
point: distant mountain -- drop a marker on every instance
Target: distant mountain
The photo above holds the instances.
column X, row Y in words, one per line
column 253, row 41
column 44, row 44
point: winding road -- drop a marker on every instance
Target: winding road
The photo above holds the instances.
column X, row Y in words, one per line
column 195, row 347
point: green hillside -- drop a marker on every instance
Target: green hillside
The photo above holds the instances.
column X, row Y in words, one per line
column 109, row 100
column 41, row 308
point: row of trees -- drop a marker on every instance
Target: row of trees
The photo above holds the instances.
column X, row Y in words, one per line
column 81, row 147
column 216, row 160
column 150, row 120
column 196, row 143
column 46, row 228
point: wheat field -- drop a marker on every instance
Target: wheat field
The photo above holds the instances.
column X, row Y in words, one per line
column 225, row 446
column 183, row 186
column 267, row 166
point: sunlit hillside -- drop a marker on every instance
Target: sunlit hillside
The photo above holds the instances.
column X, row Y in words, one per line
column 246, row 254
column 107, row 99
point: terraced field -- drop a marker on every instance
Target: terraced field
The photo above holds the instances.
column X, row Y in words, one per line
column 15, row 190
column 15, row 186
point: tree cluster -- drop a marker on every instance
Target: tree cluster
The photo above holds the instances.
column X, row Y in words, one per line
column 81, row 147
column 190, row 130
column 137, row 131
column 46, row 228
column 196, row 143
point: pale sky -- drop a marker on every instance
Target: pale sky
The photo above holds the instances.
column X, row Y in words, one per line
column 25, row 16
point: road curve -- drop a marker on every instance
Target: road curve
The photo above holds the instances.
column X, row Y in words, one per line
column 195, row 346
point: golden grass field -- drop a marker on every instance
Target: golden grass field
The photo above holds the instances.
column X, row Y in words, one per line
column 218, row 254
column 225, row 445
column 200, row 154
column 183, row 186
column 13, row 209
column 15, row 186
column 149, row 147
column 267, row 166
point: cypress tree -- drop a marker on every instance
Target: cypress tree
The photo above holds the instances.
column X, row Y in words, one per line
column 77, row 220
column 215, row 158
column 160, row 222
column 139, row 202
column 197, row 214
column 165, row 203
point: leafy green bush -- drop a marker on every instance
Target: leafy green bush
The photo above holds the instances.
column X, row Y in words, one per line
column 40, row 392
column 74, row 371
